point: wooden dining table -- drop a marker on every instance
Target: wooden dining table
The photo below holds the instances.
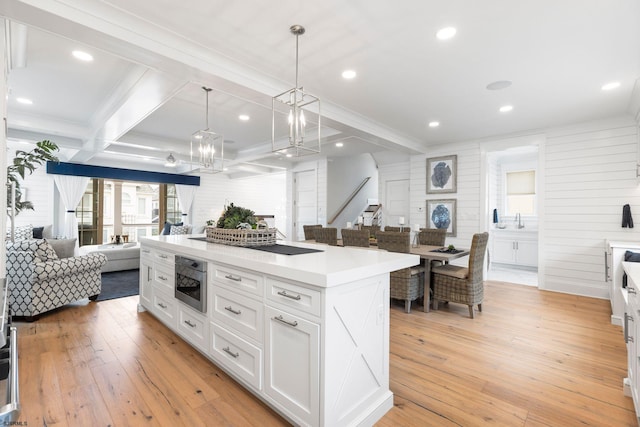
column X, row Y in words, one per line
column 427, row 253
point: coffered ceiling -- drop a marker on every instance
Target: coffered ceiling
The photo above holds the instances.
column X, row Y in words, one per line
column 141, row 97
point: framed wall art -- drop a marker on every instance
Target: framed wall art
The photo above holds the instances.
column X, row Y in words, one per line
column 441, row 174
column 442, row 214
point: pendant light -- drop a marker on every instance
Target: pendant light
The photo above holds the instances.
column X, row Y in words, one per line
column 291, row 112
column 210, row 145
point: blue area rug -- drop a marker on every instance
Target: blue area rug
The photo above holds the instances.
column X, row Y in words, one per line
column 119, row 284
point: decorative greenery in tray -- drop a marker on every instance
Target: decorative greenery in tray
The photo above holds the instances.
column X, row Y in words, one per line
column 236, row 215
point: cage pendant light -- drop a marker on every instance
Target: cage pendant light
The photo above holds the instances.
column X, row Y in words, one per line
column 210, row 145
column 292, row 117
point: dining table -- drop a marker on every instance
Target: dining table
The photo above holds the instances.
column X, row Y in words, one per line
column 429, row 254
column 434, row 253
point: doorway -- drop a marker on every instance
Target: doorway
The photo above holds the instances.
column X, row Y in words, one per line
column 397, row 202
column 305, row 209
column 513, row 200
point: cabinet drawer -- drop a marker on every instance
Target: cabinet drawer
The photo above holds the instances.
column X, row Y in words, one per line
column 239, row 356
column 238, row 312
column 193, row 326
column 239, row 279
column 164, row 278
column 303, row 299
column 163, row 257
column 165, row 309
column 146, row 254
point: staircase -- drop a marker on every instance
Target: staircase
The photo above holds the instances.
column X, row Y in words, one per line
column 372, row 215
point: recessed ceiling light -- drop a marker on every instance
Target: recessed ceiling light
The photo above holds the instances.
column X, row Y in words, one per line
column 289, row 155
column 506, row 108
column 611, row 85
column 446, row 33
column 499, row 85
column 82, row 56
column 339, row 144
column 434, row 124
column 348, row 74
column 243, row 117
column 25, row 101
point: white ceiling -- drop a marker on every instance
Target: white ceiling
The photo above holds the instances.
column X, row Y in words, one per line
column 141, row 97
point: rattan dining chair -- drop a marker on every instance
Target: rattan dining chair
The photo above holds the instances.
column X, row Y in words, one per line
column 328, row 235
column 309, row 231
column 462, row 285
column 408, row 283
column 355, row 237
column 393, row 229
column 373, row 229
column 432, row 236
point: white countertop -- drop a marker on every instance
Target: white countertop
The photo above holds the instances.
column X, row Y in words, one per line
column 331, row 267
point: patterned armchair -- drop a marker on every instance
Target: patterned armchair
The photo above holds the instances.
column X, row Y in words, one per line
column 39, row 281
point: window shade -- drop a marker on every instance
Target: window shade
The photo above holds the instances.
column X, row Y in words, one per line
column 523, row 182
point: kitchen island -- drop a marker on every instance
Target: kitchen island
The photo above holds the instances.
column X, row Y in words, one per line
column 308, row 333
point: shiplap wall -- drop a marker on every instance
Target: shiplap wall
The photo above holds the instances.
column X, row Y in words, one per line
column 40, row 191
column 590, row 173
column 263, row 194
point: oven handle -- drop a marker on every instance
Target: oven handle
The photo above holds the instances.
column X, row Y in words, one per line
column 11, row 410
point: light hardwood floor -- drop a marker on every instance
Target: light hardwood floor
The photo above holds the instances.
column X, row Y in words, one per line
column 532, row 358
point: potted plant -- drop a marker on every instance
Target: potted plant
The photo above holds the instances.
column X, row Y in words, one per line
column 25, row 163
column 233, row 216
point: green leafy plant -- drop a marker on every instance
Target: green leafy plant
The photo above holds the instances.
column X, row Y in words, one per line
column 234, row 215
column 24, row 163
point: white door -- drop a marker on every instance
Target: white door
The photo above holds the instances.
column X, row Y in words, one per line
column 305, row 202
column 397, row 201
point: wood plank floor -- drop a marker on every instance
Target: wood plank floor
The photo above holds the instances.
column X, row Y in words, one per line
column 532, row 359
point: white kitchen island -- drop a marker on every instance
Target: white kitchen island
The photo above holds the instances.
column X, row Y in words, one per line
column 308, row 334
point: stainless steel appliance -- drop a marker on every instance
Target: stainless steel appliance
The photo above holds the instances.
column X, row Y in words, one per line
column 191, row 282
column 9, row 391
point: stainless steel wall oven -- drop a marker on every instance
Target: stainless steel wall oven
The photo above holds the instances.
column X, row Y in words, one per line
column 191, row 282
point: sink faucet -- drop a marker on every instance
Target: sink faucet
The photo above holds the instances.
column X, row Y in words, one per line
column 519, row 221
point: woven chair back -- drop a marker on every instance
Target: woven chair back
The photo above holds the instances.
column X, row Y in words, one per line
column 432, row 236
column 309, row 231
column 328, row 235
column 373, row 229
column 388, row 228
column 355, row 237
column 394, row 241
column 476, row 256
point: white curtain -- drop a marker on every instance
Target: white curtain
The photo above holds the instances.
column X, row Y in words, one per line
column 71, row 189
column 186, row 194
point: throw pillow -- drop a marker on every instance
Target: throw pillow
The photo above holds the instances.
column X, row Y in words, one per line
column 64, row 248
column 37, row 232
column 180, row 229
column 24, row 232
column 167, row 228
column 40, row 248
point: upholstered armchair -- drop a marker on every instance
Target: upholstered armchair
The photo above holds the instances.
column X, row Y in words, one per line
column 355, row 237
column 463, row 285
column 408, row 283
column 39, row 281
column 309, row 231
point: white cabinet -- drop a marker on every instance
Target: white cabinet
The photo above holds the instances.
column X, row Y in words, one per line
column 613, row 273
column 146, row 279
column 516, row 248
column 631, row 326
column 292, row 363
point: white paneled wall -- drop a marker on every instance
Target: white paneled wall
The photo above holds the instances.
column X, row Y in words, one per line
column 264, row 195
column 39, row 190
column 590, row 173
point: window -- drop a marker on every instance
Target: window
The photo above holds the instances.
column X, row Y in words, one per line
column 521, row 192
column 121, row 207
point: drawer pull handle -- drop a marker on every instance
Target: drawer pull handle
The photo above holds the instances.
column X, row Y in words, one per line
column 232, row 310
column 163, row 256
column 234, row 278
column 285, row 294
column 146, row 251
column 165, row 278
column 161, row 305
column 232, row 354
column 188, row 322
column 286, row 322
